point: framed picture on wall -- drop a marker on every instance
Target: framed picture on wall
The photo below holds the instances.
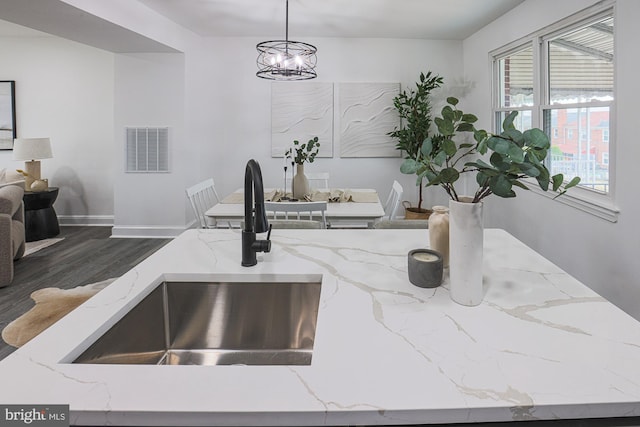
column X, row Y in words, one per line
column 7, row 114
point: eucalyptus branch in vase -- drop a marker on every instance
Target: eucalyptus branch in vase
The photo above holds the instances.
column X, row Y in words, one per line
column 514, row 157
column 299, row 154
column 305, row 152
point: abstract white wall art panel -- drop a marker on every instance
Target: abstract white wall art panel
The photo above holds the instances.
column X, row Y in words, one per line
column 301, row 111
column 365, row 116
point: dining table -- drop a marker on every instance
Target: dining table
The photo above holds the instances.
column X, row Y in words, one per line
column 353, row 207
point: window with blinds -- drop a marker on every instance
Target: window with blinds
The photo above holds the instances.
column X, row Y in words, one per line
column 561, row 79
column 578, row 97
column 147, row 150
column 515, row 76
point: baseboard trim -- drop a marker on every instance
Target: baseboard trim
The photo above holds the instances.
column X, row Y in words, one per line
column 93, row 220
column 145, row 232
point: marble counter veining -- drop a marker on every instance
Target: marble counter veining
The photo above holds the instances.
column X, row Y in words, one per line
column 540, row 346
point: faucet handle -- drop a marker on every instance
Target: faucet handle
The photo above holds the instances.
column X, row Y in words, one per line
column 263, row 245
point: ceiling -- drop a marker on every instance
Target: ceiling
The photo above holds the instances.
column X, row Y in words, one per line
column 425, row 19
column 418, row 19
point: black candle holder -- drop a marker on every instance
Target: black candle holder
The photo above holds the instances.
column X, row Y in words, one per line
column 284, row 186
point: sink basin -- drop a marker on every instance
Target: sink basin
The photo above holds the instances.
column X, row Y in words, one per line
column 269, row 321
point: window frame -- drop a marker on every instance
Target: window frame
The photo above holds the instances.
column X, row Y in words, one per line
column 591, row 201
column 508, row 50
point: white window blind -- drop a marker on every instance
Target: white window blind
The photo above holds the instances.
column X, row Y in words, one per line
column 561, row 79
column 147, row 149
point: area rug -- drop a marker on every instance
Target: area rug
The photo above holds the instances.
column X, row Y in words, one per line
column 32, row 247
column 52, row 304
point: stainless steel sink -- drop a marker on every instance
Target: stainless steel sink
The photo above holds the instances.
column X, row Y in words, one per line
column 266, row 322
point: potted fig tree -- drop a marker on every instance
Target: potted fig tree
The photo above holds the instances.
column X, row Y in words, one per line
column 414, row 109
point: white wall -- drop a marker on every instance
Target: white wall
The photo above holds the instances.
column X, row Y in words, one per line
column 241, row 108
column 64, row 90
column 601, row 254
column 219, row 113
column 227, row 109
column 149, row 92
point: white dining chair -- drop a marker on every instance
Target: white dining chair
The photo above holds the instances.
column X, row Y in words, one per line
column 202, row 196
column 317, row 180
column 393, row 201
column 295, row 209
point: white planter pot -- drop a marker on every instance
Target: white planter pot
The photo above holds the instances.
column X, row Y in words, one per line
column 465, row 251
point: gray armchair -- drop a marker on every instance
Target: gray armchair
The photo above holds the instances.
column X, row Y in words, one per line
column 12, row 236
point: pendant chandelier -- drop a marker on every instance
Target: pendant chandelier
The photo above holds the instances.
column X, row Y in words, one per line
column 286, row 59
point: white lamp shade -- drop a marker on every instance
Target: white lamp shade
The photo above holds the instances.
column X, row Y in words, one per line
column 32, row 149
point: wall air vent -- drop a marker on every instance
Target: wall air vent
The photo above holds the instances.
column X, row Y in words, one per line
column 147, row 150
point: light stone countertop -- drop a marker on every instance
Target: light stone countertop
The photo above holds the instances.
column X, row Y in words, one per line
column 540, row 346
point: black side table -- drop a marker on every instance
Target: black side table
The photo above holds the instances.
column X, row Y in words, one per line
column 40, row 220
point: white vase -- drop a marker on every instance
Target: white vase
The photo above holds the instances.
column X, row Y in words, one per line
column 439, row 232
column 300, row 183
column 465, row 251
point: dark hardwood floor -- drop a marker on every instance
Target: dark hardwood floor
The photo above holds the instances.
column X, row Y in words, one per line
column 86, row 255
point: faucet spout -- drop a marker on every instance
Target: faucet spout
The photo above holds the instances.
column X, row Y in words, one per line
column 255, row 217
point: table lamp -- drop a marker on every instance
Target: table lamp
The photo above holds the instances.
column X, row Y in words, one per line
column 31, row 150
